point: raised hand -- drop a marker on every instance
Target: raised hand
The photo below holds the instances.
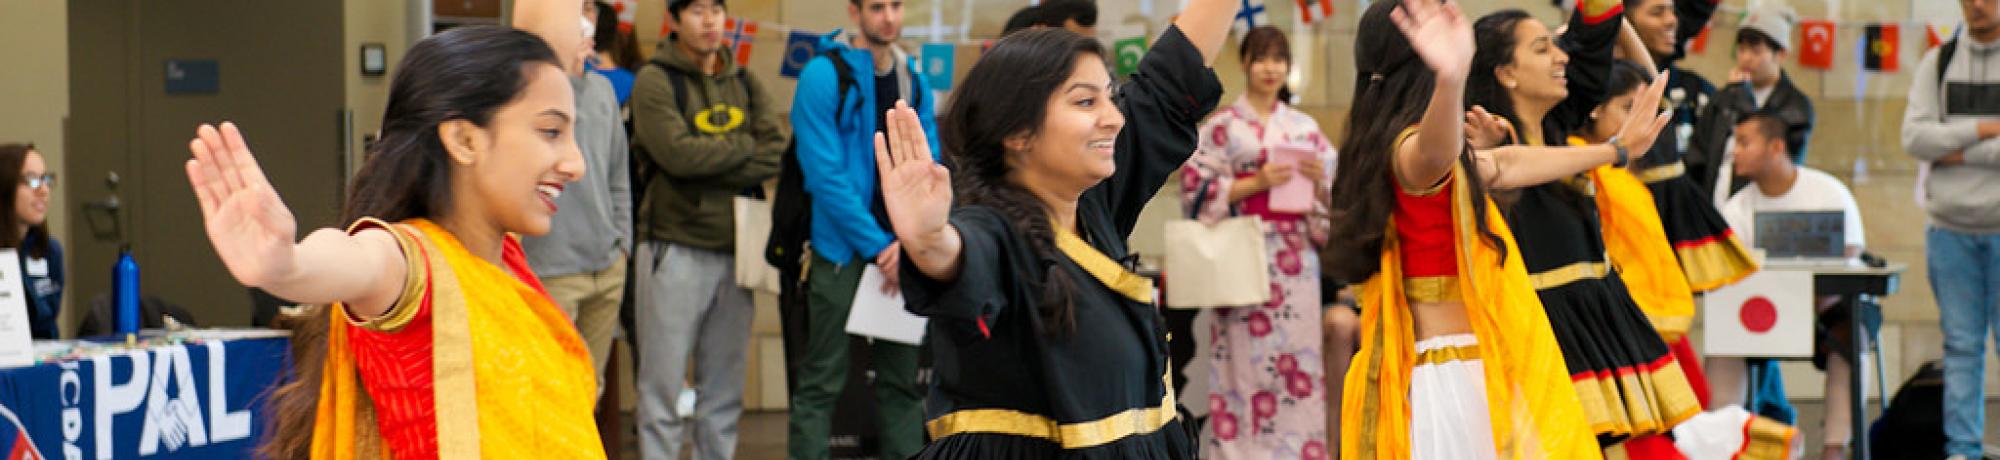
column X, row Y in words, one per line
column 1313, row 171
column 249, row 225
column 1484, row 130
column 1439, row 33
column 1274, row 174
column 915, row 189
column 1644, row 124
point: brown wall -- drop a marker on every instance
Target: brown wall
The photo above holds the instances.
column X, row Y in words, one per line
column 280, row 74
column 35, row 87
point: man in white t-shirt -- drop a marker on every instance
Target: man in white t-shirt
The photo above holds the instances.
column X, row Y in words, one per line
column 1778, row 184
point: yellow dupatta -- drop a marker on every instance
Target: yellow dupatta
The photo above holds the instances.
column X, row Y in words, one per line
column 1534, row 408
column 1636, row 243
column 529, row 395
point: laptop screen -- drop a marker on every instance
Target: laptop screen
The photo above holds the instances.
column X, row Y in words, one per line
column 1802, row 234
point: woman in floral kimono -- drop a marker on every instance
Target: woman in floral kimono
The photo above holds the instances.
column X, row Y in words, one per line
column 1267, row 379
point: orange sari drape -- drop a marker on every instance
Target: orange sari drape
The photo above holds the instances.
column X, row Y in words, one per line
column 511, row 377
column 1534, row 409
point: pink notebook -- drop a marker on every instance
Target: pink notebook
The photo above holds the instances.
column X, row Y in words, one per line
column 1294, row 196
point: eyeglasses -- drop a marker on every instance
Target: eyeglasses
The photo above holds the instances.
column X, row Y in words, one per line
column 44, row 180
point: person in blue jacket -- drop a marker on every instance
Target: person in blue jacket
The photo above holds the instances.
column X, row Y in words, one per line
column 844, row 93
column 41, row 255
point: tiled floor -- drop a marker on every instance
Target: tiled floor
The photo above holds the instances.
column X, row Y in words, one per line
column 762, row 434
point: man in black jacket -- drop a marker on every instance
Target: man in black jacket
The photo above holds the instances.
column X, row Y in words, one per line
column 1757, row 84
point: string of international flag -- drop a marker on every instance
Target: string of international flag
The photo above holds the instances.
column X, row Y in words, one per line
column 1879, row 50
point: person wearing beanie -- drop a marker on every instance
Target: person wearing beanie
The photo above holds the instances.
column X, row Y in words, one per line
column 1757, row 83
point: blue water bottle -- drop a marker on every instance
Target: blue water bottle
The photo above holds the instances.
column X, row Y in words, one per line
column 125, row 293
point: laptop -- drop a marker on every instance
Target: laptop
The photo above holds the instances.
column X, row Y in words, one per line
column 1802, row 237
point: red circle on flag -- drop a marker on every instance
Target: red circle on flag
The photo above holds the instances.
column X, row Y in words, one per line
column 1758, row 315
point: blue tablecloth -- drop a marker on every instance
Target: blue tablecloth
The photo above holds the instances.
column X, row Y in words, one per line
column 198, row 399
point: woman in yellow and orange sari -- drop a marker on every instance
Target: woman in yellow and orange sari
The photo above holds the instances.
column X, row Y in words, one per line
column 1457, row 356
column 436, row 340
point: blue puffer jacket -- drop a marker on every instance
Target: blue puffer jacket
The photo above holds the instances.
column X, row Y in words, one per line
column 837, row 156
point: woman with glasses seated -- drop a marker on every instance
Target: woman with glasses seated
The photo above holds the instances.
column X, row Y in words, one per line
column 40, row 254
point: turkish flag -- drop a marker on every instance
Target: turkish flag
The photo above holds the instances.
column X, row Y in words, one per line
column 1816, row 44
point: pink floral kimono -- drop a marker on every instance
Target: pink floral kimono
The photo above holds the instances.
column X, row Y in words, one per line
column 1267, row 379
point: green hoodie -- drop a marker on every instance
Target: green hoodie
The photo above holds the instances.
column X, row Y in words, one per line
column 699, row 167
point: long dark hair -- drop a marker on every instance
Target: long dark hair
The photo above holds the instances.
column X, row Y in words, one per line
column 466, row 73
column 1005, row 95
column 1626, row 77
column 1267, row 42
column 613, row 38
column 35, row 244
column 1392, row 90
column 1495, row 35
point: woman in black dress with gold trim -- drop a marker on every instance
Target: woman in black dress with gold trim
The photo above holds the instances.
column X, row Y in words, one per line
column 1546, row 84
column 1045, row 344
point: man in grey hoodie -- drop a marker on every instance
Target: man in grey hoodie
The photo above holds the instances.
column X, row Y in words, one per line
column 1952, row 124
column 582, row 259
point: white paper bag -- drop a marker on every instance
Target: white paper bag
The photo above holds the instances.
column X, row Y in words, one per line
column 1223, row 265
column 753, row 230
column 16, row 341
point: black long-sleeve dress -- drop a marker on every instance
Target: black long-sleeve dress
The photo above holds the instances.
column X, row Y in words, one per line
column 1005, row 388
column 1708, row 251
column 1625, row 376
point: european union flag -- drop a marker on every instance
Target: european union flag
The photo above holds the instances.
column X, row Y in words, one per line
column 800, row 47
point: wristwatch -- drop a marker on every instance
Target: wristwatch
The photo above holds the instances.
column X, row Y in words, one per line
column 1623, row 155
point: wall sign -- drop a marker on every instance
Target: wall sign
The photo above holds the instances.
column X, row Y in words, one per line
column 193, row 76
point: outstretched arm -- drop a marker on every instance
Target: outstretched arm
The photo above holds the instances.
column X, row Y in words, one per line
column 1206, row 24
column 1442, row 36
column 1518, row 166
column 252, row 231
column 1633, row 48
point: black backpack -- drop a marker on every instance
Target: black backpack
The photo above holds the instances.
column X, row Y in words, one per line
column 1913, row 427
column 1945, row 51
column 791, row 209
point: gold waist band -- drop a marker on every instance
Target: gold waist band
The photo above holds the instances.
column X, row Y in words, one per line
column 1080, row 435
column 1569, row 274
column 1431, row 289
column 1662, row 172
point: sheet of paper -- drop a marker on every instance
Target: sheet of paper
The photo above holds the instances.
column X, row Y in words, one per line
column 1295, row 196
column 879, row 315
column 17, row 344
